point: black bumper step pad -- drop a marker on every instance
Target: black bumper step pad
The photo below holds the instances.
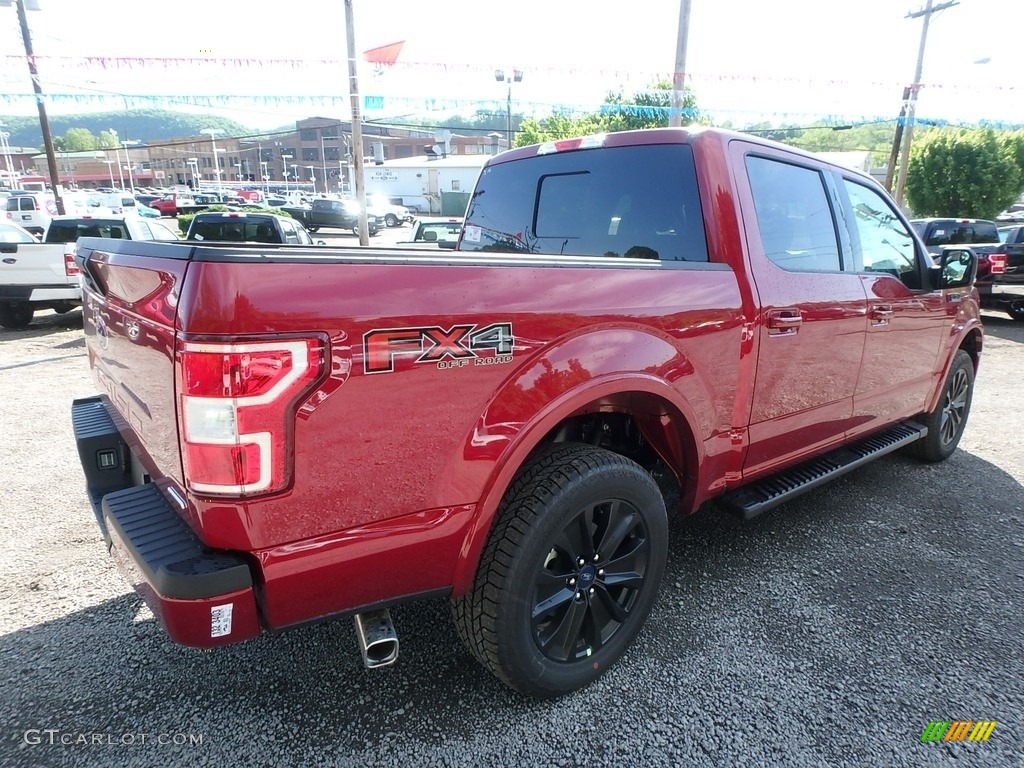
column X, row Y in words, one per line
column 166, row 550
column 760, row 496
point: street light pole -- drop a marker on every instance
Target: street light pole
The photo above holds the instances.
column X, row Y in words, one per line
column 323, row 160
column 515, row 76
column 312, row 178
column 110, row 170
column 285, row 159
column 263, row 177
column 128, row 163
column 216, row 162
column 117, row 156
column 193, row 164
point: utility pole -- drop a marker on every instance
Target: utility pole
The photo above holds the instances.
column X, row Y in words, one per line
column 908, row 133
column 44, row 123
column 357, row 127
column 679, row 73
column 894, row 156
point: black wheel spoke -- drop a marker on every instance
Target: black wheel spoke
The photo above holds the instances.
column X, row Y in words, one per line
column 552, row 602
column 615, row 610
column 585, row 522
column 566, row 635
column 621, row 520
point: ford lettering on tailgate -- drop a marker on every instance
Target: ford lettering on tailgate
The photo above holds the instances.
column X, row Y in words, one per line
column 452, row 348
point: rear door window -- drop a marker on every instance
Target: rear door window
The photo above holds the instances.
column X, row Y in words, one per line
column 70, row 230
column 794, row 216
column 626, row 202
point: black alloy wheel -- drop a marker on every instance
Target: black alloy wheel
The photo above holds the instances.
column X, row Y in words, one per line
column 569, row 573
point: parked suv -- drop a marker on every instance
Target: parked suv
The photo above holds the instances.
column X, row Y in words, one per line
column 32, row 211
column 391, row 214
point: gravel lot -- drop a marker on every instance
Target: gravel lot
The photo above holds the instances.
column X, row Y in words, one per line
column 829, row 631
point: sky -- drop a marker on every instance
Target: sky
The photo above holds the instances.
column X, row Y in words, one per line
column 788, row 62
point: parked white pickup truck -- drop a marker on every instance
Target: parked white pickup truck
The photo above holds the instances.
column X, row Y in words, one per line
column 35, row 276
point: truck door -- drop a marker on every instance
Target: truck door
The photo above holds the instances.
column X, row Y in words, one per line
column 811, row 324
column 907, row 322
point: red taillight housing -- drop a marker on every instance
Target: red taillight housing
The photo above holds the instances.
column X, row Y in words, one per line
column 70, row 265
column 997, row 263
column 237, row 406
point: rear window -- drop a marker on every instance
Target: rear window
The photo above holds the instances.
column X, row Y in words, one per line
column 633, row 202
column 235, row 230
column 941, row 233
column 69, row 231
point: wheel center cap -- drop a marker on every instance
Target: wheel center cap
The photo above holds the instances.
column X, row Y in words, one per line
column 587, row 575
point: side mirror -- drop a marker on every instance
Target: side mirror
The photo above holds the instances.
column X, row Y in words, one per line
column 448, row 245
column 958, row 266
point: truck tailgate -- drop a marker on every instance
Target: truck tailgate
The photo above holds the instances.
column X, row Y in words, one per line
column 129, row 311
column 35, row 264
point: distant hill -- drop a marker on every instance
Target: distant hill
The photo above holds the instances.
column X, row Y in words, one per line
column 145, row 125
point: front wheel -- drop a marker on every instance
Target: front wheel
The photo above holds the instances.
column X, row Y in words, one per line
column 570, row 571
column 946, row 423
column 15, row 315
column 391, row 220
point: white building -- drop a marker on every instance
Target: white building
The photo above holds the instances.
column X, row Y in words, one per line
column 439, row 186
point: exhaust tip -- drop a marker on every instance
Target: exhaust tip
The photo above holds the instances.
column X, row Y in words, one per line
column 378, row 641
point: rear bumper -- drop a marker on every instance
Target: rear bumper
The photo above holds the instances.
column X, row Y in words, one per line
column 203, row 598
column 1006, row 292
column 40, row 293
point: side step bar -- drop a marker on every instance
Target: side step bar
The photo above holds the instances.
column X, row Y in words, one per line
column 751, row 500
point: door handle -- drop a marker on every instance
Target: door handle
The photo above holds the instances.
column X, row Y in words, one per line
column 784, row 322
column 881, row 314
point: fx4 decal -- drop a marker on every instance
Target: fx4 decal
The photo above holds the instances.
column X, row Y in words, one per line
column 452, row 348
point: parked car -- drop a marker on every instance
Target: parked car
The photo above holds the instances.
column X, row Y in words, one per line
column 392, row 215
column 247, row 227
column 35, row 276
column 334, row 214
column 1000, row 255
column 31, row 210
column 434, row 232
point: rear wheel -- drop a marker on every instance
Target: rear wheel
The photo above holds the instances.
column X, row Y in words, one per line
column 1016, row 310
column 946, row 423
column 15, row 315
column 570, row 571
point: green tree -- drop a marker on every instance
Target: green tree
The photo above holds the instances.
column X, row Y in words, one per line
column 963, row 172
column 106, row 140
column 647, row 109
column 79, row 140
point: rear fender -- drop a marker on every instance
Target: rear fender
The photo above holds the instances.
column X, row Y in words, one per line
column 614, row 369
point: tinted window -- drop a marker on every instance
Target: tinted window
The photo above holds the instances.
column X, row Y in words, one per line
column 884, row 242
column 12, row 235
column 70, row 230
column 793, row 216
column 636, row 202
column 952, row 232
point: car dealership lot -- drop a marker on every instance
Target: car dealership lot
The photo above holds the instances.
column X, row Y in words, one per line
column 831, row 630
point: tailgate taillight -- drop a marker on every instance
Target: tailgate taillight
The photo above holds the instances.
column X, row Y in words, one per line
column 70, row 265
column 237, row 405
column 997, row 263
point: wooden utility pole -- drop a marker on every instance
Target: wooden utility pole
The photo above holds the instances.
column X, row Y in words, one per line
column 908, row 131
column 894, row 156
column 679, row 73
column 357, row 126
column 44, row 123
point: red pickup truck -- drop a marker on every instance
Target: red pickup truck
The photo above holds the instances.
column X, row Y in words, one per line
column 287, row 433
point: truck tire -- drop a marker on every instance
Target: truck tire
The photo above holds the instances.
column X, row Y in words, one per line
column 391, row 220
column 1016, row 310
column 15, row 315
column 569, row 573
column 946, row 423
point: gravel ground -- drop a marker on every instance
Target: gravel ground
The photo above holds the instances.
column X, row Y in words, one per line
column 829, row 631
